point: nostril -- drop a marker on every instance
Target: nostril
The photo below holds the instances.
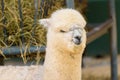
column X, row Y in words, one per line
column 78, row 38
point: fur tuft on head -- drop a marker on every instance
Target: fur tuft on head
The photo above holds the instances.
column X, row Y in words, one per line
column 63, row 17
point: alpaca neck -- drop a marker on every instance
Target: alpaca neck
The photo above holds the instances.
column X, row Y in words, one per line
column 62, row 66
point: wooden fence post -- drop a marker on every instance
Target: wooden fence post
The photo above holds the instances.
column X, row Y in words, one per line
column 113, row 41
column 70, row 3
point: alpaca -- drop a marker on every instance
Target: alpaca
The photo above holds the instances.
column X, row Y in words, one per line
column 66, row 41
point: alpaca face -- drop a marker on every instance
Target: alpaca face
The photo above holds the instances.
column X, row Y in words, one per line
column 71, row 38
column 66, row 30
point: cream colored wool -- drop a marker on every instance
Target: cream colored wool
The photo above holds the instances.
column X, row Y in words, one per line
column 63, row 56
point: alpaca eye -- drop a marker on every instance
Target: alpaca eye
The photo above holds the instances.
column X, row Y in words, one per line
column 62, row 31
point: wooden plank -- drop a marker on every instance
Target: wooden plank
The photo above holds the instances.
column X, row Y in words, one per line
column 99, row 31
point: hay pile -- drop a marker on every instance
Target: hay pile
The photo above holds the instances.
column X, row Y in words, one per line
column 17, row 31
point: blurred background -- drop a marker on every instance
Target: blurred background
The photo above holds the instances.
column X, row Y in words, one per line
column 23, row 40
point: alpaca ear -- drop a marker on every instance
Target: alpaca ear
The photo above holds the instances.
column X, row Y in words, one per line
column 45, row 22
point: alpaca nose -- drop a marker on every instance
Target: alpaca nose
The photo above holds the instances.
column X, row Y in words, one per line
column 77, row 37
column 77, row 40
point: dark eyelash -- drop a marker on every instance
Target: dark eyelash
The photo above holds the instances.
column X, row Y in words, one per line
column 62, row 31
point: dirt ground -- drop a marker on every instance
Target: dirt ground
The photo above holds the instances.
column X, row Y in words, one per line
column 95, row 69
column 98, row 69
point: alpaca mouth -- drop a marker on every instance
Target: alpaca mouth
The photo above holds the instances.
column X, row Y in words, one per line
column 77, row 40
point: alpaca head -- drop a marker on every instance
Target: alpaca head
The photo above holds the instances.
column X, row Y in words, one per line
column 66, row 30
